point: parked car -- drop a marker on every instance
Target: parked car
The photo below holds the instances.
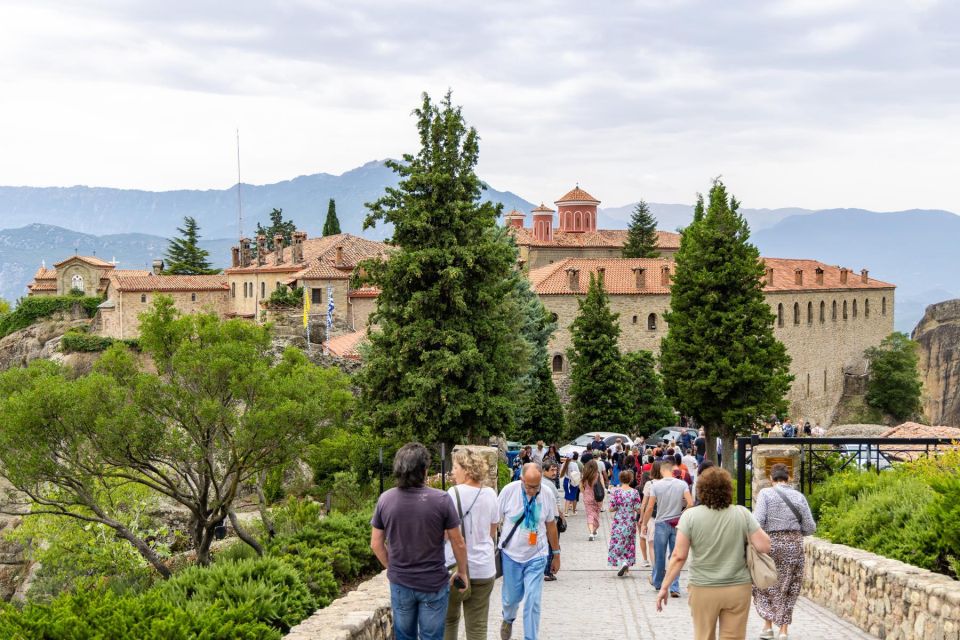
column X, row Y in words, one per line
column 665, row 435
column 864, row 457
column 580, row 444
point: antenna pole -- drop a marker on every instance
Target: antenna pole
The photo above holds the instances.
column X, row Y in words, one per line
column 239, row 200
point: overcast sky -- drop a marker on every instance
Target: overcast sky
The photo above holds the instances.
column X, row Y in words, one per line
column 811, row 103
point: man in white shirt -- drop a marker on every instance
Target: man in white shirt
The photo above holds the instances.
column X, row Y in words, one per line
column 538, row 452
column 550, row 471
column 690, row 461
column 529, row 515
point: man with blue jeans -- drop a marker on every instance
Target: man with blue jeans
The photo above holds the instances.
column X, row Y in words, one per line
column 670, row 495
column 407, row 536
column 529, row 535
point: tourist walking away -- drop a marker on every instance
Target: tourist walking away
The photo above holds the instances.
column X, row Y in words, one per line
column 671, row 496
column 624, row 504
column 715, row 534
column 529, row 517
column 477, row 507
column 570, row 472
column 701, row 444
column 407, row 536
column 551, row 474
column 648, row 536
column 784, row 514
column 592, row 487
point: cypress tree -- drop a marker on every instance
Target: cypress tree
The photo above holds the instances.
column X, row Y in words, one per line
column 649, row 408
column 184, row 255
column 331, row 225
column 720, row 361
column 444, row 361
column 641, row 234
column 598, row 398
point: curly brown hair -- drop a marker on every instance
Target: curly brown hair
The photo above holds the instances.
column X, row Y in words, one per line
column 715, row 488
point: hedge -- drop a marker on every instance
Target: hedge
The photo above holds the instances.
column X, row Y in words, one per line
column 33, row 308
column 75, row 341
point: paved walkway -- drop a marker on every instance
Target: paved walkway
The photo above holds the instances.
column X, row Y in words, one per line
column 589, row 602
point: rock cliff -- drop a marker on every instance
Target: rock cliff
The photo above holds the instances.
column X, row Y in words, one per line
column 938, row 334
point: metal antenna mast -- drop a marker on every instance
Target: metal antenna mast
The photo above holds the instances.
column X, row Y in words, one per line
column 239, row 200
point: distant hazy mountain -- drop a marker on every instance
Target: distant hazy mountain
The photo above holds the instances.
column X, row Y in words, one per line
column 671, row 217
column 304, row 199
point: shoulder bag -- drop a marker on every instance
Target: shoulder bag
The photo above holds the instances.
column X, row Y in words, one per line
column 498, row 560
column 463, row 528
column 598, row 492
column 763, row 570
column 791, row 506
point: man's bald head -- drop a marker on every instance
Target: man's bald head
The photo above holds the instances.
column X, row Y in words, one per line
column 532, row 473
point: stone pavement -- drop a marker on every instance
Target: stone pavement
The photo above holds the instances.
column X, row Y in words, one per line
column 589, row 601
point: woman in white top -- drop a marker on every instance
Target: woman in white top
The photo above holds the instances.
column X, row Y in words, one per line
column 479, row 518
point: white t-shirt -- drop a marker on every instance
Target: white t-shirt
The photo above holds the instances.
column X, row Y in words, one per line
column 479, row 506
column 537, row 455
column 691, row 462
column 510, row 507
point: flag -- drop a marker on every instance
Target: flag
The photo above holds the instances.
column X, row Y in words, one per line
column 306, row 304
column 329, row 309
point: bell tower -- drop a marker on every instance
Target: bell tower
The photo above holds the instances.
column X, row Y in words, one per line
column 577, row 211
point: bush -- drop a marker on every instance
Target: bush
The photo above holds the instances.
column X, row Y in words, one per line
column 504, row 474
column 33, row 308
column 73, row 342
column 286, row 297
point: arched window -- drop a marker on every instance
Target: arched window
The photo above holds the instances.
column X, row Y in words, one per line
column 558, row 363
column 780, row 315
column 76, row 282
column 143, row 297
column 866, row 307
column 844, row 309
column 263, row 290
column 854, row 309
column 883, row 306
column 652, row 322
column 579, row 221
column 809, row 313
column 833, row 313
column 233, row 289
column 796, row 313
column 823, row 312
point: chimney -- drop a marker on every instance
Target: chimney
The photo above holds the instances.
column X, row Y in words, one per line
column 819, row 275
column 843, row 275
column 246, row 255
column 769, row 276
column 574, row 278
column 641, row 275
column 261, row 249
column 296, row 246
column 235, row 256
column 864, row 276
column 798, row 276
column 601, row 274
column 278, row 249
column 339, row 255
column 157, row 267
column 665, row 275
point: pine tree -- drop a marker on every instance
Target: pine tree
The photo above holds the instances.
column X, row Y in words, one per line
column 331, row 225
column 642, row 234
column 184, row 255
column 720, row 361
column 894, row 386
column 277, row 226
column 598, row 394
column 444, row 361
column 649, row 408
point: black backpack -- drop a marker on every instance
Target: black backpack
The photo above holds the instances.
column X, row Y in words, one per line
column 598, row 492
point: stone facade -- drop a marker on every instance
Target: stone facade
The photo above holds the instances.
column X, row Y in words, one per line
column 887, row 598
column 363, row 614
column 120, row 315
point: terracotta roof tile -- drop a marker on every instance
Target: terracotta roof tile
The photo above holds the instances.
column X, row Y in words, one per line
column 42, row 285
column 92, row 260
column 917, row 430
column 364, row 292
column 169, row 283
column 354, row 250
column 577, row 195
column 784, row 276
column 619, row 277
column 607, row 238
column 346, row 345
column 543, row 209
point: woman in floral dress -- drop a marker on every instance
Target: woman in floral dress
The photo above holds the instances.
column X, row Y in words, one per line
column 624, row 503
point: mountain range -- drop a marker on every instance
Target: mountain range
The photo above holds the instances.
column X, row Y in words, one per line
column 912, row 249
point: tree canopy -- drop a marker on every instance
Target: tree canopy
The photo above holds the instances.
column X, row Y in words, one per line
column 277, row 226
column 641, row 234
column 444, row 360
column 184, row 255
column 720, row 361
column 894, row 385
column 331, row 226
column 649, row 408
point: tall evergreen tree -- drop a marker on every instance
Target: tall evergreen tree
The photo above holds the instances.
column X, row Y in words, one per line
column 642, row 234
column 649, row 408
column 444, row 362
column 894, row 386
column 331, row 225
column 277, row 225
column 598, row 394
column 720, row 361
column 184, row 255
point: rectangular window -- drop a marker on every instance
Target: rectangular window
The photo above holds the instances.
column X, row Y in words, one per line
column 316, row 296
column 263, row 290
column 233, row 289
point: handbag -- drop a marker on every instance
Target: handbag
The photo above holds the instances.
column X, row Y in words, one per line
column 561, row 524
column 762, row 568
column 598, row 492
column 498, row 552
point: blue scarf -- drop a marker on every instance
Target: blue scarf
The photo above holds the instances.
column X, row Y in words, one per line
column 531, row 511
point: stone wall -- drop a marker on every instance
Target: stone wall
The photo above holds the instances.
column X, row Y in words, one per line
column 887, row 598
column 363, row 614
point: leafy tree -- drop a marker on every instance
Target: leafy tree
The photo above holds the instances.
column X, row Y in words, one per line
column 331, row 225
column 894, row 385
column 598, row 395
column 277, row 225
column 184, row 255
column 444, row 361
column 720, row 361
column 641, row 234
column 649, row 408
column 4, row 307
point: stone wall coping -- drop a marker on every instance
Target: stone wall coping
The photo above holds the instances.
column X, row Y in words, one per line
column 362, row 613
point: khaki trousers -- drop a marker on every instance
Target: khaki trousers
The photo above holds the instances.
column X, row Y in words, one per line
column 475, row 610
column 730, row 606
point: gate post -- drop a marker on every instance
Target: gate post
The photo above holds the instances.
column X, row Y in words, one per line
column 742, row 471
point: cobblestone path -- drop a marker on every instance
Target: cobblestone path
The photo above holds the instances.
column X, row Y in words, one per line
column 589, row 602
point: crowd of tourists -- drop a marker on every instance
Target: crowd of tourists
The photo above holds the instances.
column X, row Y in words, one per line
column 444, row 550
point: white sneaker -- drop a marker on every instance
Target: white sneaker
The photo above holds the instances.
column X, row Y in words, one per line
column 646, row 564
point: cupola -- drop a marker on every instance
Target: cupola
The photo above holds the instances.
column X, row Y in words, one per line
column 577, row 211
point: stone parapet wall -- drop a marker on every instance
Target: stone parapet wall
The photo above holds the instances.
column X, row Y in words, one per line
column 362, row 614
column 887, row 598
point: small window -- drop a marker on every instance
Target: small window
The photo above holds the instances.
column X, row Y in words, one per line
column 809, row 313
column 634, row 319
column 316, row 296
column 796, row 313
column 844, row 309
column 824, row 380
column 808, row 385
column 883, row 306
column 866, row 307
column 558, row 363
column 193, row 297
column 263, row 290
column 833, row 312
column 250, row 284
column 652, row 322
column 854, row 309
column 233, row 289
column 279, row 285
column 780, row 315
column 143, row 297
column 823, row 312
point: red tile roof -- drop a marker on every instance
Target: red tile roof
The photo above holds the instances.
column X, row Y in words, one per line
column 603, row 238
column 92, row 260
column 364, row 292
column 577, row 195
column 543, row 209
column 784, row 277
column 917, row 430
column 346, row 345
column 354, row 250
column 151, row 283
column 619, row 277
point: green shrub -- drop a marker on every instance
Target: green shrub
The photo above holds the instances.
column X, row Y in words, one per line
column 33, row 308
column 286, row 297
column 319, row 567
column 295, row 515
column 331, row 455
column 504, row 474
column 73, row 342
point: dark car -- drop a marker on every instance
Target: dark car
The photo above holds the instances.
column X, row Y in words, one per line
column 667, row 434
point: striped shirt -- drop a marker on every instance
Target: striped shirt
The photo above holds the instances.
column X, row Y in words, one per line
column 774, row 515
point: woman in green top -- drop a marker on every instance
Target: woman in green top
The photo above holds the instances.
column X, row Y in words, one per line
column 720, row 586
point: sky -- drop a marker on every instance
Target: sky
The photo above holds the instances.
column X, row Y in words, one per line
column 807, row 103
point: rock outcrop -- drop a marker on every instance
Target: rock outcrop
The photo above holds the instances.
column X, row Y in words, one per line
column 938, row 334
column 38, row 341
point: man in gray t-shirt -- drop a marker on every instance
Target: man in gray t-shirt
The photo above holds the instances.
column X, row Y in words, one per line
column 671, row 496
